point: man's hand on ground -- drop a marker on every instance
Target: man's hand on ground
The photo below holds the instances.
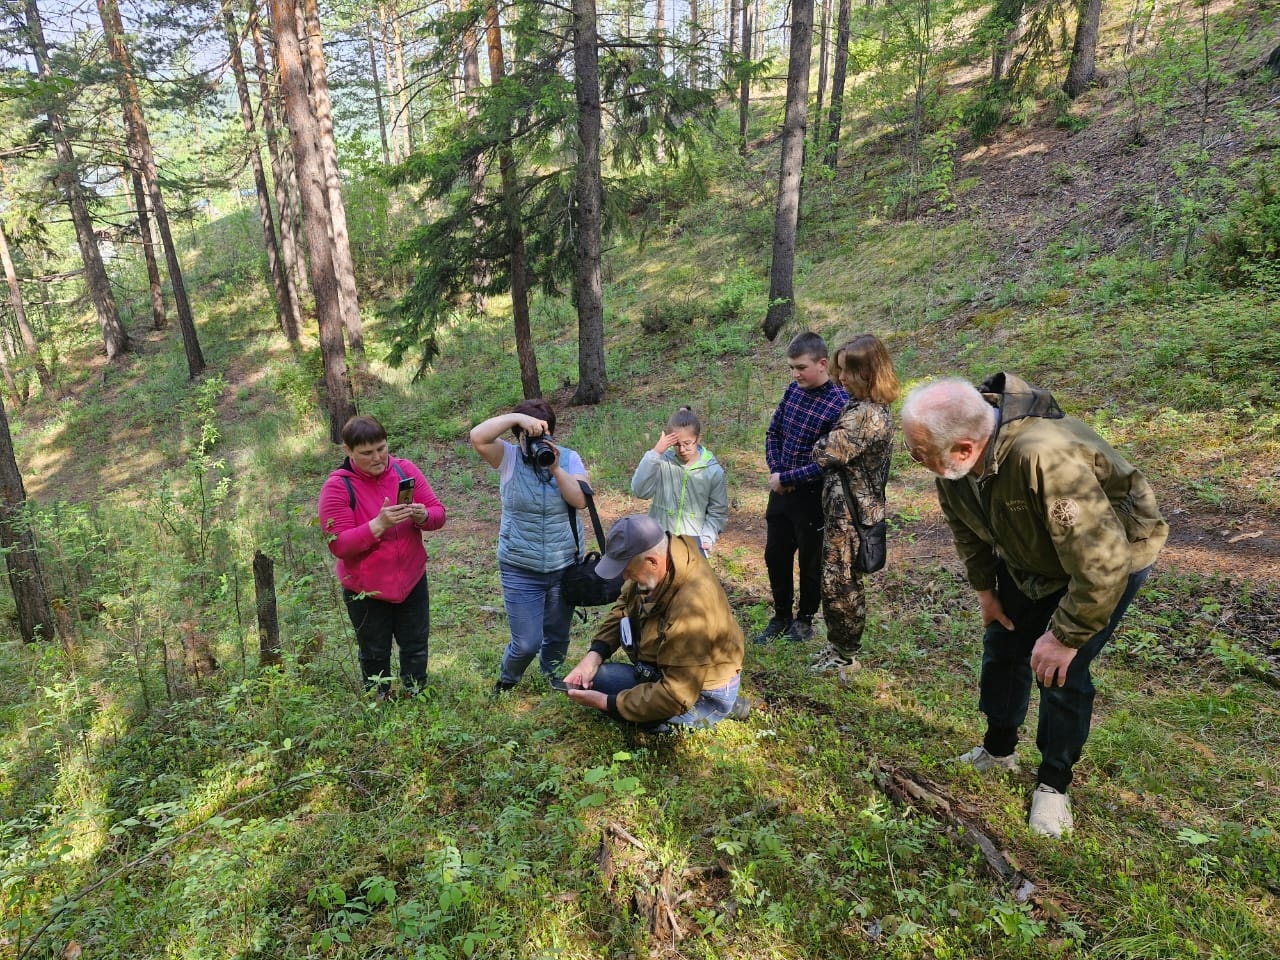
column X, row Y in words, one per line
column 589, row 698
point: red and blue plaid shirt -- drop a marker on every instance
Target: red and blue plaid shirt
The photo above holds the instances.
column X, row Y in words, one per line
column 801, row 418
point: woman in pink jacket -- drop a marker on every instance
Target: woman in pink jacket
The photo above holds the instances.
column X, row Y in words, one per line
column 373, row 510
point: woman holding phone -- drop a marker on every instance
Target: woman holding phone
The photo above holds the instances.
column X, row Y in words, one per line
column 373, row 510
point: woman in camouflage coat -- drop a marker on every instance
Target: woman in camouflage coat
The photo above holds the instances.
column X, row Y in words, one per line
column 854, row 456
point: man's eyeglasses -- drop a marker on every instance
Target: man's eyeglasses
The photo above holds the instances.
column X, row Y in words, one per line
column 911, row 453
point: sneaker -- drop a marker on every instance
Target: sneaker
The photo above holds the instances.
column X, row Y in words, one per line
column 740, row 710
column 985, row 762
column 776, row 627
column 801, row 631
column 831, row 660
column 1050, row 813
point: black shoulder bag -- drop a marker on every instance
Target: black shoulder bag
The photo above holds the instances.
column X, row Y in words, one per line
column 580, row 585
column 872, row 549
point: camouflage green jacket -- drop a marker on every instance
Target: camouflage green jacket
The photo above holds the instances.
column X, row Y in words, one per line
column 860, row 445
column 1058, row 505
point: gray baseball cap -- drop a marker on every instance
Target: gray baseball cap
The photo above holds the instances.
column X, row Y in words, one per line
column 629, row 538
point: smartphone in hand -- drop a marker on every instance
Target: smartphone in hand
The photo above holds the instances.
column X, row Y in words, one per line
column 405, row 492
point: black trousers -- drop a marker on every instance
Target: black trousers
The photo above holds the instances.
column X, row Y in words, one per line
column 793, row 527
column 377, row 622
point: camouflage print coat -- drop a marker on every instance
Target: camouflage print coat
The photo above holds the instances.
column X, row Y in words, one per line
column 860, row 446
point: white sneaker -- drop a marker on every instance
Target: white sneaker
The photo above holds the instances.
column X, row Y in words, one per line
column 1050, row 813
column 985, row 762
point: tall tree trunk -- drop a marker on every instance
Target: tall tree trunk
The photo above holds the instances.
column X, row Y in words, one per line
column 744, row 90
column 342, row 262
column 140, row 154
column 733, row 29
column 592, row 378
column 285, row 311
column 406, row 104
column 35, row 617
column 158, row 319
column 480, row 274
column 790, row 169
column 823, row 43
column 836, row 116
column 394, row 91
column 659, row 31
column 695, row 54
column 515, row 229
column 1080, row 73
column 377, row 91
column 284, row 179
column 310, row 167
column 1014, row 13
column 20, row 313
column 114, row 337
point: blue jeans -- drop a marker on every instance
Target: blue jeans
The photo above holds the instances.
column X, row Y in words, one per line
column 377, row 622
column 710, row 708
column 1066, row 712
column 539, row 621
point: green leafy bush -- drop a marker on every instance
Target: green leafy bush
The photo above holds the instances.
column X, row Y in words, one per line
column 1246, row 249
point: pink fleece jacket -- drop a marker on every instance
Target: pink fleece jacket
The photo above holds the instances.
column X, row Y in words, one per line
column 387, row 567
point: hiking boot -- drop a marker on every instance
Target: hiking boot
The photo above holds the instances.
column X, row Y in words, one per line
column 831, row 660
column 776, row 627
column 985, row 762
column 1050, row 813
column 740, row 710
column 801, row 631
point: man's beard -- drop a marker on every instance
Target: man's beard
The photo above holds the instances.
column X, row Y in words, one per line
column 954, row 471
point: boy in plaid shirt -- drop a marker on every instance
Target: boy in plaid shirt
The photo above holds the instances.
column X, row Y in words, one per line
column 810, row 406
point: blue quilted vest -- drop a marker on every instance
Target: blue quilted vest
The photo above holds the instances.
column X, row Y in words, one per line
column 534, row 533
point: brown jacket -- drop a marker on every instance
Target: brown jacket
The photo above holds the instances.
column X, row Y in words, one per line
column 684, row 627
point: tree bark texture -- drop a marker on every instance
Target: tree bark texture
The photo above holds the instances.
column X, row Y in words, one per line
column 588, row 200
column 310, row 170
column 1080, row 73
column 283, row 179
column 35, row 617
column 264, row 589
column 790, row 172
column 114, row 337
column 836, row 116
column 823, row 42
column 140, row 154
column 377, row 92
column 154, row 285
column 285, row 311
column 744, row 89
column 515, row 229
column 343, row 265
column 20, row 313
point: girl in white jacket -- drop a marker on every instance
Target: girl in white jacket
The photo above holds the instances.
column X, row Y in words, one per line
column 685, row 482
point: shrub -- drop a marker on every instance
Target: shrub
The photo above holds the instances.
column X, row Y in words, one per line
column 661, row 315
column 1246, row 249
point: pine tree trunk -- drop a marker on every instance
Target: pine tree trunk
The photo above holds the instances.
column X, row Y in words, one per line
column 285, row 311
column 823, row 43
column 790, row 170
column 695, row 56
column 406, row 107
column 283, row 179
column 302, row 126
column 139, row 144
column 659, row 31
column 377, row 91
column 480, row 274
column 264, row 589
column 592, row 379
column 35, row 617
column 114, row 337
column 744, row 90
column 515, row 230
column 733, row 29
column 154, row 285
column 836, row 117
column 20, row 313
column 1080, row 73
column 342, row 261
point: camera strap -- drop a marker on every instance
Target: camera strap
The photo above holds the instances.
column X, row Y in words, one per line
column 595, row 520
column 351, row 491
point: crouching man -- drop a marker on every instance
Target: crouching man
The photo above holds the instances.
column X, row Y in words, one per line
column 683, row 646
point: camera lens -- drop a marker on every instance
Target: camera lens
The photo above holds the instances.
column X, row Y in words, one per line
column 541, row 452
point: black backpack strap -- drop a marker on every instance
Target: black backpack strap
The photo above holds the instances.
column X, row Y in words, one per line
column 351, row 493
column 595, row 519
column 399, row 470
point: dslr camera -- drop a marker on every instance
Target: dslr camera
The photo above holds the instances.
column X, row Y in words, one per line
column 541, row 453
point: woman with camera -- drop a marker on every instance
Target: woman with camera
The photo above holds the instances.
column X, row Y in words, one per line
column 540, row 494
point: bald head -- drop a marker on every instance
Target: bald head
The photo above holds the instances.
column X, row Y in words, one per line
column 947, row 424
